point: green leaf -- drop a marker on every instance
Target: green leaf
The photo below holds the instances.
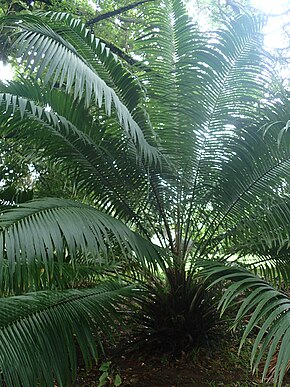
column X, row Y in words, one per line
column 105, row 366
column 38, row 231
column 270, row 310
column 39, row 329
column 117, row 380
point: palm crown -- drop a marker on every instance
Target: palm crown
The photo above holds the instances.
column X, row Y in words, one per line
column 185, row 149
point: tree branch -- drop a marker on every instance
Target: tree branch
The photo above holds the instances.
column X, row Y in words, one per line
column 107, row 15
column 122, row 54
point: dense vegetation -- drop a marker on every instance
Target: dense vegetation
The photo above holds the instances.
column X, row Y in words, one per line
column 171, row 199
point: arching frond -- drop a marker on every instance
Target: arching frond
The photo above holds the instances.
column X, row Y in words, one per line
column 202, row 89
column 37, row 232
column 66, row 275
column 40, row 331
column 269, row 310
column 104, row 166
column 71, row 56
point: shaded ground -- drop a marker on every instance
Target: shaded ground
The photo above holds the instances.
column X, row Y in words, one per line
column 201, row 368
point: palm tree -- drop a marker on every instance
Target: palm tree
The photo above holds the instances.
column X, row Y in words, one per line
column 180, row 171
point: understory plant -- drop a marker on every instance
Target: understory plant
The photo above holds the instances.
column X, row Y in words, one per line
column 178, row 168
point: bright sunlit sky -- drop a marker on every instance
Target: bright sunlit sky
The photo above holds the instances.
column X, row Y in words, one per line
column 273, row 31
column 5, row 71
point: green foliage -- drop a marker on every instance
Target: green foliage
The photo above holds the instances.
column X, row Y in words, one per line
column 178, row 314
column 209, row 13
column 268, row 308
column 108, row 375
column 54, row 322
column 75, row 7
column 185, row 149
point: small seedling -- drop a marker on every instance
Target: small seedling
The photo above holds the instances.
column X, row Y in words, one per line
column 108, row 375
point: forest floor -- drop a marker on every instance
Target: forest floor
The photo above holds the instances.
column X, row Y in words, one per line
column 201, row 368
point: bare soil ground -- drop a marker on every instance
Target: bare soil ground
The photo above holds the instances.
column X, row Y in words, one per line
column 201, row 368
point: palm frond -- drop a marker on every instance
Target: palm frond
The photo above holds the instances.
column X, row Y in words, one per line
column 46, row 48
column 104, row 166
column 199, row 87
column 66, row 275
column 266, row 309
column 40, row 331
column 38, row 232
